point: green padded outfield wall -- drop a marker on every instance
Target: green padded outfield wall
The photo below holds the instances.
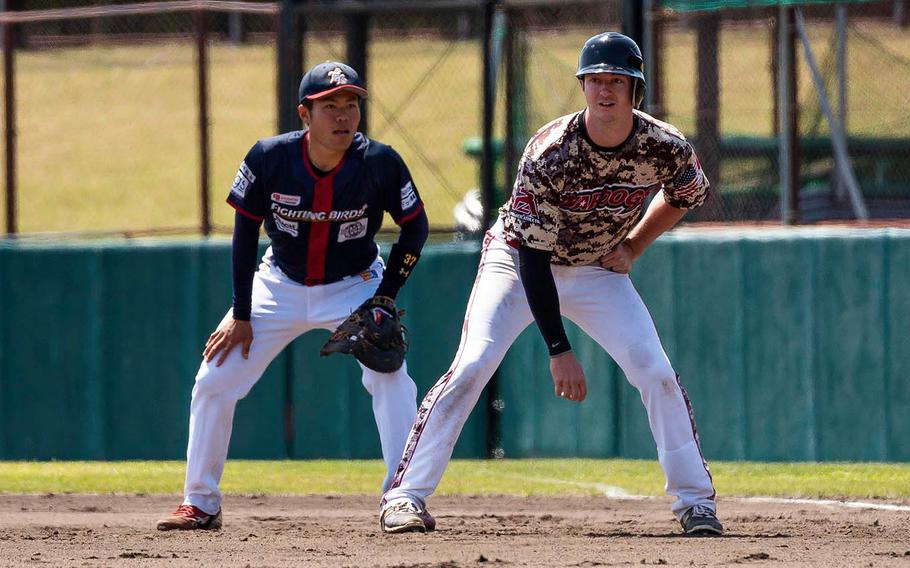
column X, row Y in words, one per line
column 100, row 343
column 793, row 344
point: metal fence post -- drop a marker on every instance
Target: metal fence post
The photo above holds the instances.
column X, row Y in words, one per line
column 511, row 61
column 633, row 20
column 201, row 28
column 290, row 65
column 487, row 174
column 290, row 70
column 488, row 191
column 901, row 14
column 236, row 28
column 788, row 116
column 357, row 35
column 9, row 96
column 649, row 54
column 840, row 21
column 708, row 101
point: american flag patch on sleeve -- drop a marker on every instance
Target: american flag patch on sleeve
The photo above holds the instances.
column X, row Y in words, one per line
column 688, row 183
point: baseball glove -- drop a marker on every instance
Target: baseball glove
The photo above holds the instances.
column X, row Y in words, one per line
column 373, row 334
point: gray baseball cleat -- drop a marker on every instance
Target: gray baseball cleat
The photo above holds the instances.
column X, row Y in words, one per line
column 700, row 520
column 403, row 515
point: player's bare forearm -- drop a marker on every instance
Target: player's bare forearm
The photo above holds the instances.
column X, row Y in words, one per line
column 658, row 219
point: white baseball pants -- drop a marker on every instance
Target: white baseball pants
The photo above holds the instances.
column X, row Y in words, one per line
column 607, row 307
column 283, row 310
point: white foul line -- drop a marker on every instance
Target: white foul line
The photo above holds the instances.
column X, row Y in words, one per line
column 619, row 493
column 829, row 503
column 603, row 488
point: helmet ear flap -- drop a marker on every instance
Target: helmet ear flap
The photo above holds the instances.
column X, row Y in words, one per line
column 638, row 92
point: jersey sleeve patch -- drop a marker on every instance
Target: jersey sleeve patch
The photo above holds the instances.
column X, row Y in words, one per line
column 408, row 196
column 524, row 206
column 247, row 191
column 398, row 192
column 690, row 186
column 243, row 180
column 532, row 215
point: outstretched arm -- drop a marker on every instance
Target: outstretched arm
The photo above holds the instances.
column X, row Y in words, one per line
column 238, row 329
column 543, row 299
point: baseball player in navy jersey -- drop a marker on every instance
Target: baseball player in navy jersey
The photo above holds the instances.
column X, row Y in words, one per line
column 321, row 193
column 563, row 244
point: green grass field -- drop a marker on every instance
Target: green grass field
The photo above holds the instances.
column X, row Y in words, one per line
column 465, row 477
column 108, row 141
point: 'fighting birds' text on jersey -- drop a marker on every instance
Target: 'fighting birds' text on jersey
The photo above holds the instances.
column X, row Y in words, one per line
column 322, row 225
column 579, row 200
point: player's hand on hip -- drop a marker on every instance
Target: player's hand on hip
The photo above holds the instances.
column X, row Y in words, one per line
column 226, row 337
column 568, row 377
column 620, row 259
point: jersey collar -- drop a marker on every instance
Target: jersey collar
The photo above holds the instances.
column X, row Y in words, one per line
column 636, row 122
column 309, row 165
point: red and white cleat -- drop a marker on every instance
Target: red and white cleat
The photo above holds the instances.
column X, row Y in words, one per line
column 188, row 518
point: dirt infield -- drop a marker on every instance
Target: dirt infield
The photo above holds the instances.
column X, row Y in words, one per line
column 106, row 530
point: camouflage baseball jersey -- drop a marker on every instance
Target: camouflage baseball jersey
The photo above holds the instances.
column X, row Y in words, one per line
column 580, row 200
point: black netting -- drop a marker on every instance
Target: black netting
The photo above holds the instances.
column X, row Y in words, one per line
column 107, row 106
column 747, row 182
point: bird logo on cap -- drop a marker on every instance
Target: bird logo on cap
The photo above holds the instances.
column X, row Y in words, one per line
column 337, row 77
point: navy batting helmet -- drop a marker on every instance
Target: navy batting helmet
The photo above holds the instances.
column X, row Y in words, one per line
column 612, row 52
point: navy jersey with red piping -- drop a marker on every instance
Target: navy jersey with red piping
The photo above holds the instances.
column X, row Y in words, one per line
column 322, row 227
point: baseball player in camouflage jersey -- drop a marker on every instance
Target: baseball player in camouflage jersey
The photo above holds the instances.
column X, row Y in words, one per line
column 564, row 243
column 321, row 193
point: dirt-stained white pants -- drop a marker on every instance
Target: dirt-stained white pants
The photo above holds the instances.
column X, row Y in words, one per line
column 282, row 311
column 608, row 308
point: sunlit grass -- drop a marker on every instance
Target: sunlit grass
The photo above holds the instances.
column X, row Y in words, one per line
column 464, row 477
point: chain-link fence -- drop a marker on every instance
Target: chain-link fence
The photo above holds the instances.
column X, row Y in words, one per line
column 875, row 53
column 424, row 69
column 108, row 112
column 107, row 106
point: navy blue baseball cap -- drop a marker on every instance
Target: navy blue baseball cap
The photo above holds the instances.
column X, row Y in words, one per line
column 328, row 78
